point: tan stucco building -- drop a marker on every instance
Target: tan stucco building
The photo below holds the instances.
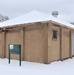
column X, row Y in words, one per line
column 42, row 39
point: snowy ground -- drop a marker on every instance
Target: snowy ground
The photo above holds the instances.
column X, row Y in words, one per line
column 29, row 68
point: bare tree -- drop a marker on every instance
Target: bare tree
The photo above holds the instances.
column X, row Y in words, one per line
column 3, row 18
column 72, row 23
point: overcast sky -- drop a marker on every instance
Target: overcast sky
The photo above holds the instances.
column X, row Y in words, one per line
column 14, row 8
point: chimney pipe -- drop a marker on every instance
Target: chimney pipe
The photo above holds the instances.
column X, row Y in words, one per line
column 55, row 13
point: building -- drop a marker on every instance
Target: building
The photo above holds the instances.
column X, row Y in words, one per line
column 43, row 39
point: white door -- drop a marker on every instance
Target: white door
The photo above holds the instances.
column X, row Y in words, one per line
column 72, row 44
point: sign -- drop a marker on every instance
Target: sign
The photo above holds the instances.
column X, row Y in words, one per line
column 15, row 49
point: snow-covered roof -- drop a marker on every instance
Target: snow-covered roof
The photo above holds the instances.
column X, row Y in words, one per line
column 34, row 16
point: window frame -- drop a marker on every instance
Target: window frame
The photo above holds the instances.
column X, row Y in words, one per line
column 54, row 35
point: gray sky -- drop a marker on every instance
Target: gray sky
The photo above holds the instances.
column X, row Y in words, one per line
column 14, row 8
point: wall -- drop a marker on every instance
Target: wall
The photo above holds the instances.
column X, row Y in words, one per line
column 37, row 43
column 33, row 39
column 65, row 48
column 53, row 44
column 1, row 42
column 12, row 37
column 34, row 44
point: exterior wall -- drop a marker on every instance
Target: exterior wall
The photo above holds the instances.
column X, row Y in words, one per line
column 33, row 40
column 37, row 43
column 72, row 43
column 53, row 44
column 1, row 53
column 12, row 37
column 65, row 48
column 70, row 40
column 34, row 44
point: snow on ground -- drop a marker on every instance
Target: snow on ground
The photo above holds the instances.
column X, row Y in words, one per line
column 30, row 68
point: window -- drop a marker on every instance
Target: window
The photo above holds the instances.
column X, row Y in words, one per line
column 54, row 34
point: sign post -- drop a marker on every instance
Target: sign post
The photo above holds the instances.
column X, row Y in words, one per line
column 15, row 49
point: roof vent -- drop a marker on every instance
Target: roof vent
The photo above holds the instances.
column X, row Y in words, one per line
column 55, row 13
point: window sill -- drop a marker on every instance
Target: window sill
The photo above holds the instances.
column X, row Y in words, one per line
column 54, row 39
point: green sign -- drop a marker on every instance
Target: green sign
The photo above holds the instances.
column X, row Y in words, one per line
column 15, row 49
